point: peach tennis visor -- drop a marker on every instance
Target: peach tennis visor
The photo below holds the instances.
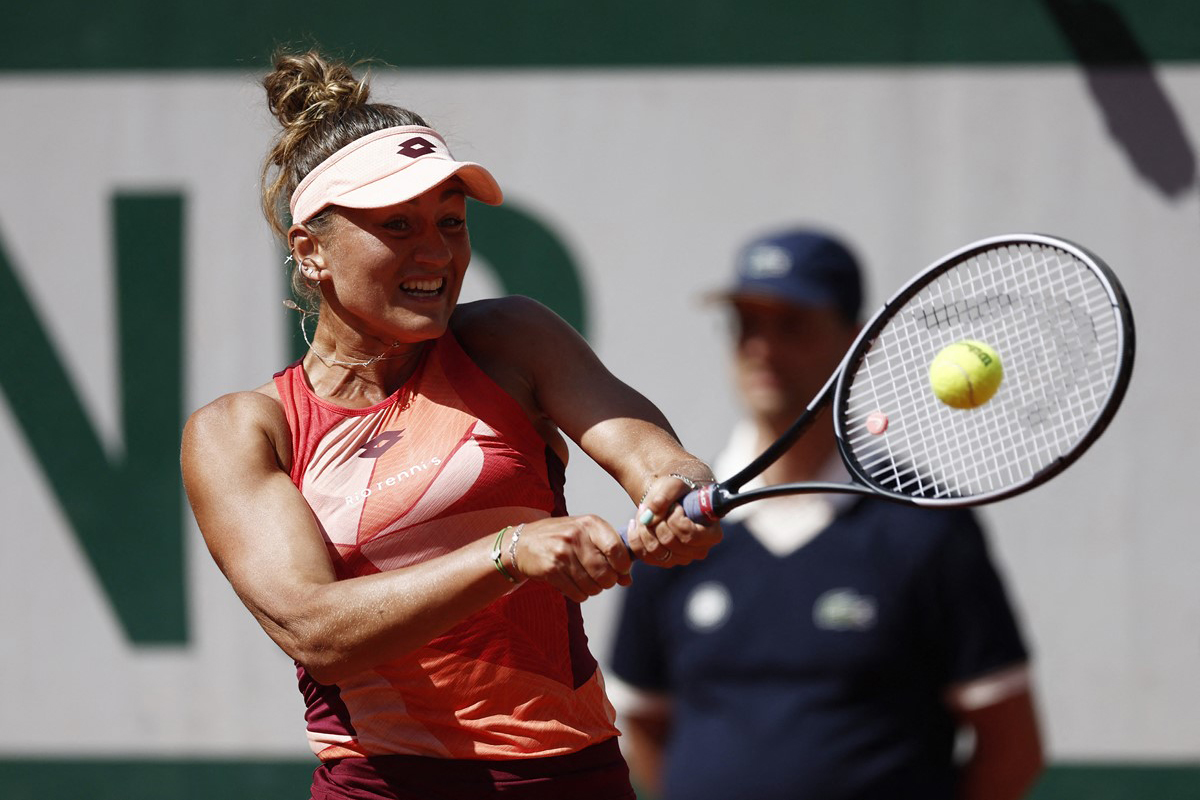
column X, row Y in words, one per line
column 388, row 167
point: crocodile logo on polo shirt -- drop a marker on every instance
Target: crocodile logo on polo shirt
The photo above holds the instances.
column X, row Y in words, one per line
column 844, row 609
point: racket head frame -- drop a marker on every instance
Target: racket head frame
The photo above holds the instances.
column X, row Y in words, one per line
column 710, row 503
column 846, row 372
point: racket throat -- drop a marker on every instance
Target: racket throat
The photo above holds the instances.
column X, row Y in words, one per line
column 780, row 445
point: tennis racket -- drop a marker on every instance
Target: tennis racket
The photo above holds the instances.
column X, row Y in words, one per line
column 1062, row 326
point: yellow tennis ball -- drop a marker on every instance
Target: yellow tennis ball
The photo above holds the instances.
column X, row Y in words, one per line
column 966, row 374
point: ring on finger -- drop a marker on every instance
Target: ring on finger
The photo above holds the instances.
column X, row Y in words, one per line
column 666, row 555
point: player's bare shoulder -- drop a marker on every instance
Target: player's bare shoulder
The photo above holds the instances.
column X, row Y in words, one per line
column 493, row 315
column 509, row 326
column 516, row 341
column 248, row 425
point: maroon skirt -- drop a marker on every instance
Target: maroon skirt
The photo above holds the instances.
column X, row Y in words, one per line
column 594, row 773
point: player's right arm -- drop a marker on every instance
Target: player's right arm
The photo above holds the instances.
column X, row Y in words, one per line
column 262, row 534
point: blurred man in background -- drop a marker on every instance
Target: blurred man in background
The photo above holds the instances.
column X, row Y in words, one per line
column 832, row 647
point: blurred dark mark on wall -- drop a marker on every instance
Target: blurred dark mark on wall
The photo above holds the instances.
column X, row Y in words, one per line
column 1121, row 78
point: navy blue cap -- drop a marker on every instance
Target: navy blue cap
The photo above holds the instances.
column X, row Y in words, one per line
column 802, row 266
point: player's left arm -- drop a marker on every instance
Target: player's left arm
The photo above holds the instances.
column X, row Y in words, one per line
column 1007, row 757
column 618, row 427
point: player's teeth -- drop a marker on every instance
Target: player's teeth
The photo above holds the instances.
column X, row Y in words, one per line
column 423, row 285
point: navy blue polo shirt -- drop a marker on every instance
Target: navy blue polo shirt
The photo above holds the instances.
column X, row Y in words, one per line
column 820, row 674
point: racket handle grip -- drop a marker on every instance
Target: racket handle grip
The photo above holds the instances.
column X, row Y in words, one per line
column 697, row 504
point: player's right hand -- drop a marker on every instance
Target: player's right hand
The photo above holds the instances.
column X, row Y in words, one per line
column 579, row 556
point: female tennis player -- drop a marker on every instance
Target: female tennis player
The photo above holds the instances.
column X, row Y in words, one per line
column 390, row 507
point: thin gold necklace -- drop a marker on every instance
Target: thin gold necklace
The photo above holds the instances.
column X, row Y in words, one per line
column 330, row 360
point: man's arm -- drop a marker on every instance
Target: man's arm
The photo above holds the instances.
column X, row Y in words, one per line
column 1007, row 755
column 646, row 739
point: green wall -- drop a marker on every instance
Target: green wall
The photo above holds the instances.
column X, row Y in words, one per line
column 141, row 35
column 97, row 779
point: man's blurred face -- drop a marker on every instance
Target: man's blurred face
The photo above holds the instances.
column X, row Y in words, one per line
column 784, row 354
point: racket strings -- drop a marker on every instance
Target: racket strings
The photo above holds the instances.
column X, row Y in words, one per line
column 1052, row 321
column 1036, row 333
column 1038, row 337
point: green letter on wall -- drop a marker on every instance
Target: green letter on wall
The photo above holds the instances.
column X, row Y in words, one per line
column 125, row 511
column 529, row 259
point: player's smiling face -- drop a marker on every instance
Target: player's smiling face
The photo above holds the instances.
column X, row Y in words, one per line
column 397, row 271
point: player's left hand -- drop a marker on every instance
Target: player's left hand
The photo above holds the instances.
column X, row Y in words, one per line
column 661, row 533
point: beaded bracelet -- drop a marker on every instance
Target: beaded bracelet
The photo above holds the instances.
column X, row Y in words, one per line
column 496, row 551
column 692, row 483
column 512, row 548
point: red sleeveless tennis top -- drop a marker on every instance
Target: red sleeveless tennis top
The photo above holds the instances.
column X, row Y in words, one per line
column 443, row 462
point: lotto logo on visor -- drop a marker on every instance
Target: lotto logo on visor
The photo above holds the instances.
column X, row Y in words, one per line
column 416, row 147
column 367, row 173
